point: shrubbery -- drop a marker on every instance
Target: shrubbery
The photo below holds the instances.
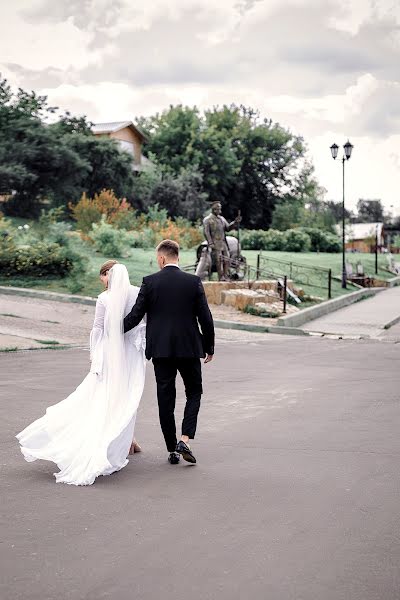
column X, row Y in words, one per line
column 117, row 217
column 39, row 260
column 322, row 241
column 91, row 210
column 291, row 240
column 49, row 250
column 296, row 241
column 110, row 241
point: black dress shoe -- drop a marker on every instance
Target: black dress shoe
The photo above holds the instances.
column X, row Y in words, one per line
column 174, row 458
column 186, row 452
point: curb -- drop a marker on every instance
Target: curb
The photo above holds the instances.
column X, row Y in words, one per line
column 394, row 281
column 391, row 323
column 44, row 295
column 325, row 308
column 55, row 296
column 259, row 328
column 286, row 328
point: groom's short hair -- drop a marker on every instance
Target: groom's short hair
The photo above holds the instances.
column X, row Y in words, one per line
column 168, row 248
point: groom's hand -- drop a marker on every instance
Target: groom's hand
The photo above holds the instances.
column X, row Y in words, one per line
column 208, row 358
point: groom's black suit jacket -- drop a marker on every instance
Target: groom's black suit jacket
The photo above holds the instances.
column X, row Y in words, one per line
column 175, row 305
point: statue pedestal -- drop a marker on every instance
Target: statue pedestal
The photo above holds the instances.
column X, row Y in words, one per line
column 215, row 289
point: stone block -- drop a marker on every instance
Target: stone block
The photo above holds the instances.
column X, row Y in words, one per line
column 239, row 299
column 214, row 289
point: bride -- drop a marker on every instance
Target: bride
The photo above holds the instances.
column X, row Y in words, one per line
column 90, row 432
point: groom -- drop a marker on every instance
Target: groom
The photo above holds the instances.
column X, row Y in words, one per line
column 175, row 305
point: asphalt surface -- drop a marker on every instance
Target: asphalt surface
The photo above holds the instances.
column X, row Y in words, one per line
column 295, row 495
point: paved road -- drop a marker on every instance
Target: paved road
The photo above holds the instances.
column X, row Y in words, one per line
column 27, row 323
column 295, row 497
column 367, row 318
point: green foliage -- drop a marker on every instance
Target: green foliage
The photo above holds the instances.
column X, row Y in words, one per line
column 370, row 211
column 110, row 241
column 296, row 241
column 107, row 168
column 48, row 250
column 180, row 194
column 335, row 209
column 127, row 220
column 292, row 240
column 267, row 313
column 155, row 214
column 396, row 241
column 258, row 239
column 288, row 215
column 322, row 241
column 245, row 161
column 52, row 163
column 39, row 260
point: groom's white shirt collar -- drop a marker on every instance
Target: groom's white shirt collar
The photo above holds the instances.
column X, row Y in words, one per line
column 171, row 265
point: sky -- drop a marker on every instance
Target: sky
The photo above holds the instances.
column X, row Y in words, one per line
column 327, row 70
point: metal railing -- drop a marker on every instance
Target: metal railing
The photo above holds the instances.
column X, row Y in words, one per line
column 316, row 277
column 283, row 290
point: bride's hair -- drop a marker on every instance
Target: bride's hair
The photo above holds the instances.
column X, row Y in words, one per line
column 107, row 266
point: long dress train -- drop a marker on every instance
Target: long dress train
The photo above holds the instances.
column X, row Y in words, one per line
column 89, row 433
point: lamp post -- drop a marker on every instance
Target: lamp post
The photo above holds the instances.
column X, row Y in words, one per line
column 347, row 153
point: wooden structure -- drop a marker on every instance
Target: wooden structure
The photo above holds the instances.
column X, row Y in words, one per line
column 362, row 237
column 129, row 137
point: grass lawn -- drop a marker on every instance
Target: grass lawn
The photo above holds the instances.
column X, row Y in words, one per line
column 327, row 261
column 142, row 262
column 139, row 264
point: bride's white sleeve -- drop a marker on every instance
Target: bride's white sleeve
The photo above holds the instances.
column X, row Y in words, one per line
column 96, row 338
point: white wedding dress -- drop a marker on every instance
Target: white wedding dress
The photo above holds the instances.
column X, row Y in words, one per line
column 90, row 432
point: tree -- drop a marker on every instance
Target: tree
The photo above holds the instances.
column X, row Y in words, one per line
column 370, row 211
column 180, row 195
column 107, row 167
column 180, row 139
column 56, row 162
column 33, row 161
column 336, row 210
column 288, row 215
column 70, row 124
column 246, row 162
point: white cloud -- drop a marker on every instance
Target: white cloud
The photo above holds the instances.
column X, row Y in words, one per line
column 373, row 170
column 59, row 45
column 327, row 70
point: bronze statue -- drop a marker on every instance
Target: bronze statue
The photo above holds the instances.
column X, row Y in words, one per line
column 215, row 228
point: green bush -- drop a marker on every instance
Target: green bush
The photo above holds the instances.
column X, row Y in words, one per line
column 126, row 219
column 258, row 239
column 302, row 239
column 48, row 249
column 296, row 241
column 38, row 260
column 110, row 241
column 143, row 238
column 291, row 240
column 155, row 214
column 322, row 241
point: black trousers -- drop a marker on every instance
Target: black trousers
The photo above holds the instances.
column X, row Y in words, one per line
column 166, row 370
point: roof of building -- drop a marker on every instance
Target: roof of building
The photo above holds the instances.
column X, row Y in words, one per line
column 361, row 231
column 112, row 127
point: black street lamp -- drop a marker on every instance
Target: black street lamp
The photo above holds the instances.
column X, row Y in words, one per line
column 347, row 153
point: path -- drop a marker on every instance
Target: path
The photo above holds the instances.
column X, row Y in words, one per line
column 295, row 495
column 33, row 322
column 367, row 317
